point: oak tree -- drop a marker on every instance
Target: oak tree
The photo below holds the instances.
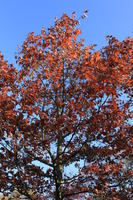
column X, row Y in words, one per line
column 65, row 116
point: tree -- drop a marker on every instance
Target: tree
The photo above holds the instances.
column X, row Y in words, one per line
column 65, row 116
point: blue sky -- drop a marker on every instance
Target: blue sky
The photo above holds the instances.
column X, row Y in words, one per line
column 105, row 17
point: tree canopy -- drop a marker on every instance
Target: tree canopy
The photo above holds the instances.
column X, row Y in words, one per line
column 65, row 116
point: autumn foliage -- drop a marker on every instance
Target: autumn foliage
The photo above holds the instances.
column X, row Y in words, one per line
column 65, row 117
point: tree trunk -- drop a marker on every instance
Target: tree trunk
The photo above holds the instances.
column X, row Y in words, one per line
column 59, row 170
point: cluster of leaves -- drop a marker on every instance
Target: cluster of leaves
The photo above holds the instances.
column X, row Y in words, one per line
column 65, row 128
column 15, row 195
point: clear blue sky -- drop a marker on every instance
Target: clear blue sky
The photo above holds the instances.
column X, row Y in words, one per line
column 105, row 17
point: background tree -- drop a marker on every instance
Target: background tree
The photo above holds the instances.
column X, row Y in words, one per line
column 71, row 110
